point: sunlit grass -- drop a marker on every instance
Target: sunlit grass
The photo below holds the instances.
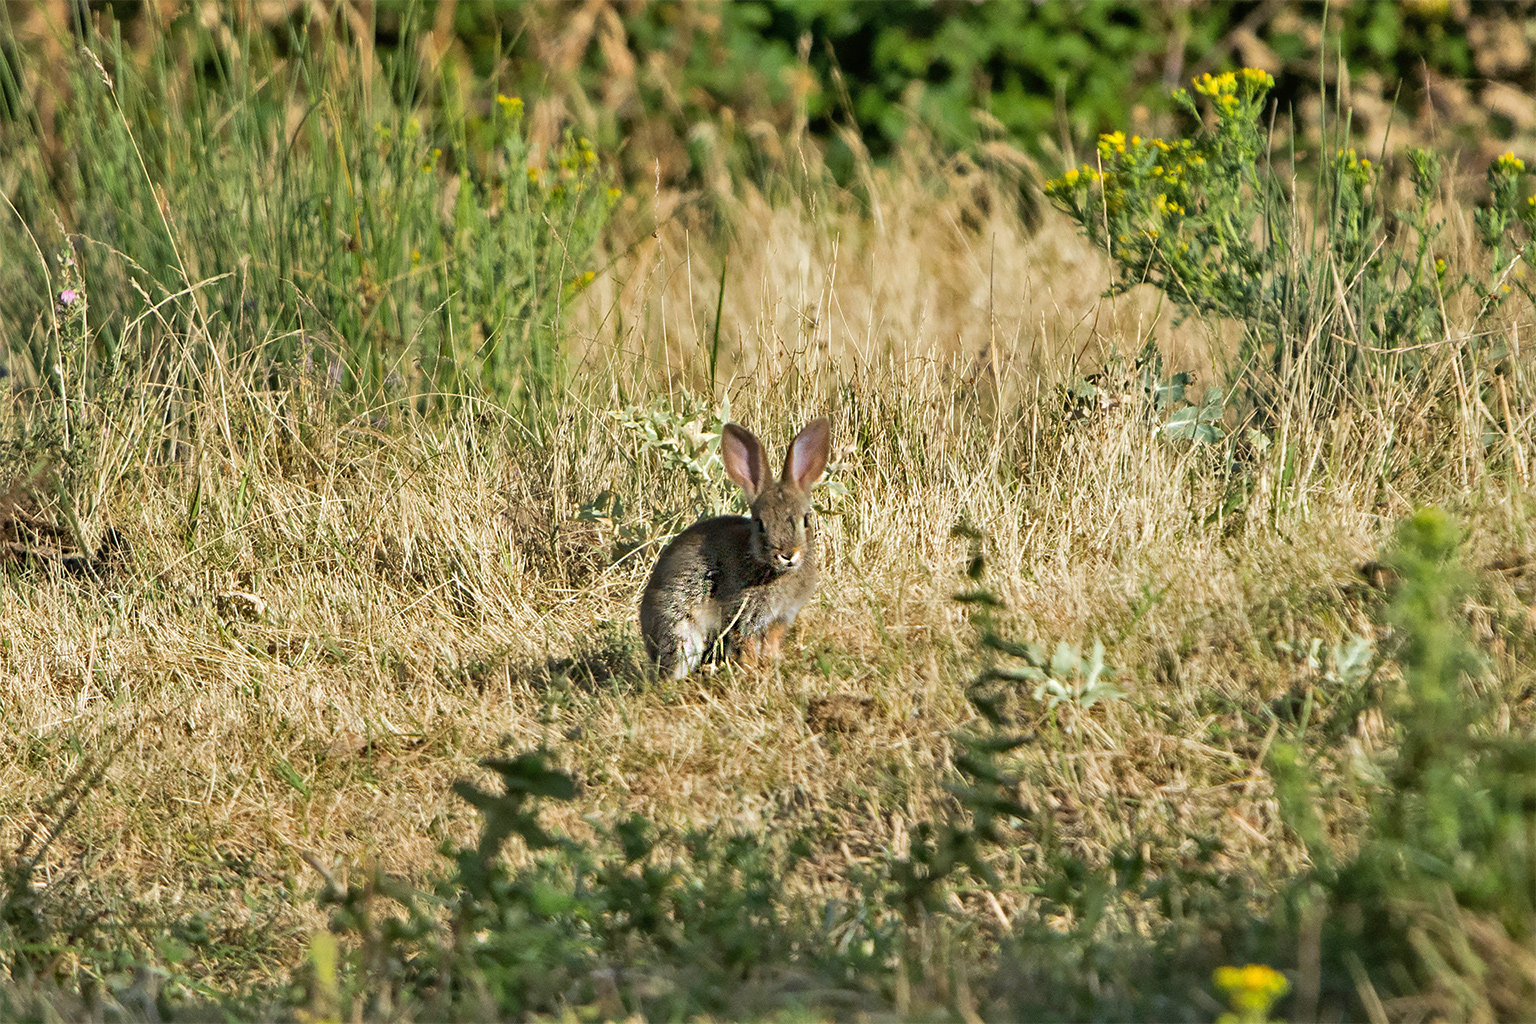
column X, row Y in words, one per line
column 333, row 591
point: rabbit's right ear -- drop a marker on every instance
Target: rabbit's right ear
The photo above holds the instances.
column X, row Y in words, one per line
column 744, row 460
column 807, row 457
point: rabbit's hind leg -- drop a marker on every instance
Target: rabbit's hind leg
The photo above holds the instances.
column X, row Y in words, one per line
column 749, row 650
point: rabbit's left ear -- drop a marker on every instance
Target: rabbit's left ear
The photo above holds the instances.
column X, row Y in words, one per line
column 807, row 458
column 744, row 460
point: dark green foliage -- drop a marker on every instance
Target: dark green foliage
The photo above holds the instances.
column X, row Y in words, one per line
column 638, row 919
column 1051, row 76
column 1046, row 72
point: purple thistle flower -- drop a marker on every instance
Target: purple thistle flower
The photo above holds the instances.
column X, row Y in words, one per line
column 67, row 297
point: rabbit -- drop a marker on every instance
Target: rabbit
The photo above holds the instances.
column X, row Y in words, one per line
column 737, row 578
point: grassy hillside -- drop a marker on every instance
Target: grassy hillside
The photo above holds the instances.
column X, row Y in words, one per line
column 1175, row 617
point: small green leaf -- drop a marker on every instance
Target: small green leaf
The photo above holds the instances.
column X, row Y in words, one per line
column 288, row 774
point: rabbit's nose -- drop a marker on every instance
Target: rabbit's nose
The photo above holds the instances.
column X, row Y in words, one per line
column 788, row 561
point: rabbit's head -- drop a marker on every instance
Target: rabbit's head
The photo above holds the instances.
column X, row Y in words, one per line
column 783, row 526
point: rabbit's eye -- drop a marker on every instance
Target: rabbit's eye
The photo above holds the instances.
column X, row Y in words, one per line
column 807, row 520
column 757, row 524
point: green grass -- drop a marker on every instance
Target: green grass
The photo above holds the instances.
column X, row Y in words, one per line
column 252, row 721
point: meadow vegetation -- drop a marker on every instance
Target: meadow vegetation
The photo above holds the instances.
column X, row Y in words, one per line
column 1176, row 649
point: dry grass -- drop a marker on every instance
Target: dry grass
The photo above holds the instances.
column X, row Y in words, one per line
column 325, row 622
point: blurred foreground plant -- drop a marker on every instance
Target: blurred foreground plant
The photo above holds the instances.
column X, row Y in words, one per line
column 1443, row 884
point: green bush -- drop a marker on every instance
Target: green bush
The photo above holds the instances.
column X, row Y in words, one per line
column 1443, row 882
column 1459, row 802
column 1330, row 289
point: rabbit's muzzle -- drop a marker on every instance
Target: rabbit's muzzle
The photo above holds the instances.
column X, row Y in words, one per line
column 785, row 561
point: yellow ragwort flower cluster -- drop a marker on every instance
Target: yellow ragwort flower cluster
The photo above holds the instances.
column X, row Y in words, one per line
column 1509, row 164
column 1352, row 164
column 1167, row 174
column 582, row 156
column 1230, row 88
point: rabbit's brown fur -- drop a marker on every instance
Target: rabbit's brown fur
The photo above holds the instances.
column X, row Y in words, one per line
column 736, row 578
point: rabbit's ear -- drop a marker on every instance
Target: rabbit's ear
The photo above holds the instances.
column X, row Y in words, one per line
column 807, row 458
column 744, row 460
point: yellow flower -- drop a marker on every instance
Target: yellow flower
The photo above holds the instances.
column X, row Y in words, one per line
column 1252, row 991
column 512, row 106
column 1111, row 143
column 1216, row 85
column 534, row 174
column 1440, row 268
column 415, row 257
column 1257, row 80
column 614, row 194
column 1509, row 164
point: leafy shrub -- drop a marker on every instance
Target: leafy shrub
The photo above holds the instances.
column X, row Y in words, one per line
column 1324, row 298
column 1459, row 804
